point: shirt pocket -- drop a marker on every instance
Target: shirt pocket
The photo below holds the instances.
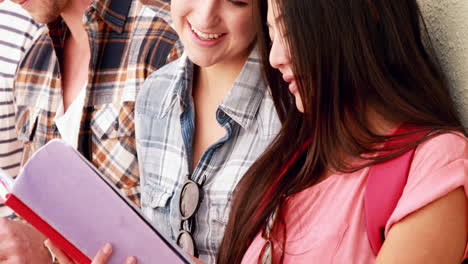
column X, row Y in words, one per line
column 113, row 143
column 219, row 219
column 26, row 125
column 156, row 205
column 111, row 121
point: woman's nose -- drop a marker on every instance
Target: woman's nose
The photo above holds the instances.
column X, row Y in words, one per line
column 279, row 56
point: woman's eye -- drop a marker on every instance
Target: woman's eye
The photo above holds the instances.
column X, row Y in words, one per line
column 238, row 3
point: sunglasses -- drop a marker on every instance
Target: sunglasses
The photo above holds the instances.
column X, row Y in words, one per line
column 189, row 203
column 266, row 254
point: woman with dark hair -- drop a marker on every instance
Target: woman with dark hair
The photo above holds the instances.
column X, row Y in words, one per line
column 358, row 75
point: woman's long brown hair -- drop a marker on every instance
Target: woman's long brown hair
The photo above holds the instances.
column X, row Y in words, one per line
column 348, row 57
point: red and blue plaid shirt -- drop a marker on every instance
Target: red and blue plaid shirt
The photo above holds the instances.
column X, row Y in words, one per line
column 128, row 41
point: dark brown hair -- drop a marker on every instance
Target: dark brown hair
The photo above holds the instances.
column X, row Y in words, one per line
column 349, row 57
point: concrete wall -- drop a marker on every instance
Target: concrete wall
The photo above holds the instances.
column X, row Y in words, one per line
column 447, row 22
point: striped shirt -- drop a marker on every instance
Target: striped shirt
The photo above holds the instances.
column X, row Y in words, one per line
column 128, row 41
column 17, row 31
column 164, row 120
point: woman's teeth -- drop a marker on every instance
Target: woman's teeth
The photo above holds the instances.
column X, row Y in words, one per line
column 204, row 36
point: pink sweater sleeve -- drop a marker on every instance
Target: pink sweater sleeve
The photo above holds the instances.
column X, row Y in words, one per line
column 440, row 165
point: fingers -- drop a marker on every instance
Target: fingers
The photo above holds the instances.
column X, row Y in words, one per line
column 103, row 254
column 61, row 257
column 194, row 259
column 130, row 260
column 101, row 257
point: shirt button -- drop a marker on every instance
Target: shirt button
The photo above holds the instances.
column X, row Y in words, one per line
column 89, row 14
column 221, row 114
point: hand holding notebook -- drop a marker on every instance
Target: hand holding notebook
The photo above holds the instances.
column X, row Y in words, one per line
column 61, row 194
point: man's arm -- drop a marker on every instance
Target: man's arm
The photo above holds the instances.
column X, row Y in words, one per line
column 18, row 32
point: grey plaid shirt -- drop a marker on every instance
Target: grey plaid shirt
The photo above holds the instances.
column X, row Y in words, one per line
column 164, row 119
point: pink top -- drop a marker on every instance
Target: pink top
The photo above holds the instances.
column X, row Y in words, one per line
column 326, row 222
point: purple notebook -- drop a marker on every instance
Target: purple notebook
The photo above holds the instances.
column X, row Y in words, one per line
column 67, row 192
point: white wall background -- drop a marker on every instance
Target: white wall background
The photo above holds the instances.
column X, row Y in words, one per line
column 447, row 22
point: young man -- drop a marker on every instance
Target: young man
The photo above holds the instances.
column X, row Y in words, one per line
column 79, row 82
column 18, row 31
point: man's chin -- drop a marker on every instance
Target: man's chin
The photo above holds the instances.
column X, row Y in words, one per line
column 44, row 19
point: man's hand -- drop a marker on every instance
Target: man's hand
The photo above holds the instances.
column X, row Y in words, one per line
column 195, row 260
column 102, row 256
column 20, row 243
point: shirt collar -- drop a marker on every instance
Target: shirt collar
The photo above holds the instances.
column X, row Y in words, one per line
column 113, row 12
column 182, row 88
column 246, row 94
column 161, row 8
column 243, row 99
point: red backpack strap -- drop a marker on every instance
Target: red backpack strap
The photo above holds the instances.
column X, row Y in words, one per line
column 384, row 187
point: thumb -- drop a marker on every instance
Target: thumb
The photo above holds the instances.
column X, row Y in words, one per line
column 59, row 254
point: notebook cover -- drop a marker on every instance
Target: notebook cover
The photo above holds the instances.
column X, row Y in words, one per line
column 64, row 190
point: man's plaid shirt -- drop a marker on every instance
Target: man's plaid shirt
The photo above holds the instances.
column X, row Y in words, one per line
column 128, row 41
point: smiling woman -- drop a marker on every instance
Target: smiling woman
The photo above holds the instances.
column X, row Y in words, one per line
column 214, row 32
column 201, row 121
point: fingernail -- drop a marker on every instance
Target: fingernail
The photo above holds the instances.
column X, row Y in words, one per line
column 131, row 260
column 107, row 249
